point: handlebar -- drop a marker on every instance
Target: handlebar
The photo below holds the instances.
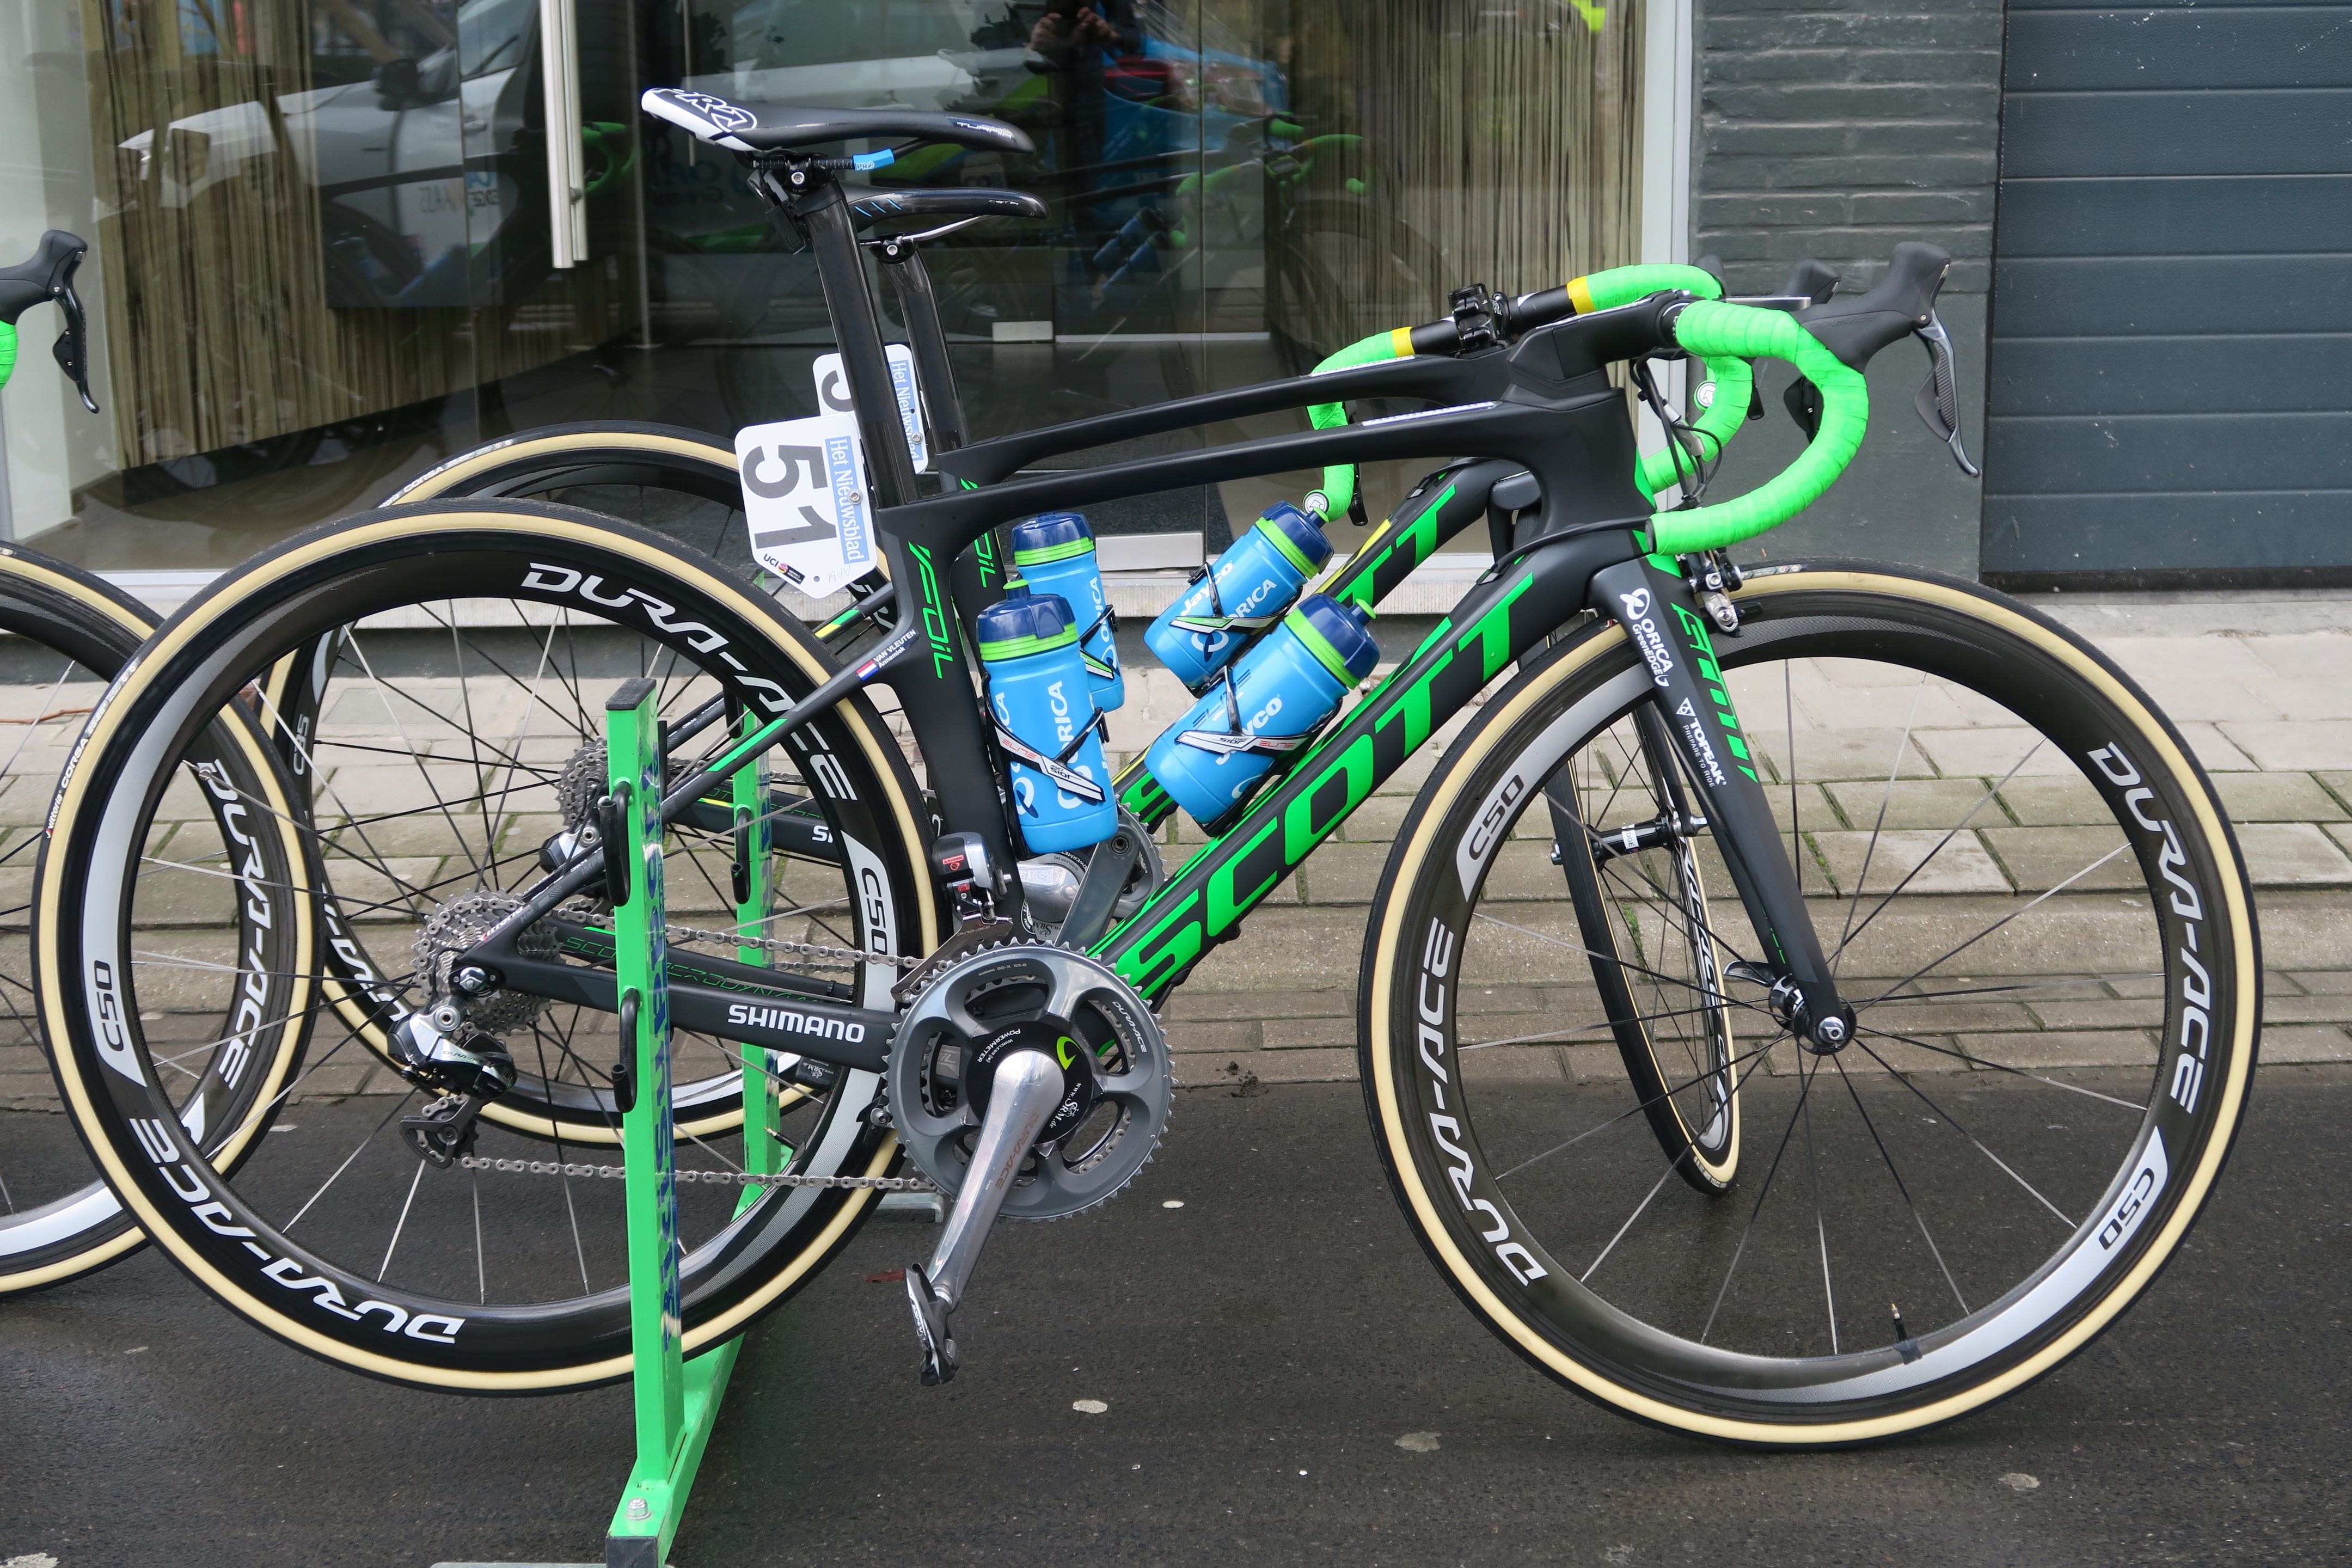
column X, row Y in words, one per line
column 49, row 275
column 1712, row 330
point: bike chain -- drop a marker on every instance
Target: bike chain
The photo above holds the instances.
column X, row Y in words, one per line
column 847, row 956
column 721, row 1178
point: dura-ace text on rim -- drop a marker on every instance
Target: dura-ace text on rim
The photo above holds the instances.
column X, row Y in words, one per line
column 1918, row 1229
column 462, row 1324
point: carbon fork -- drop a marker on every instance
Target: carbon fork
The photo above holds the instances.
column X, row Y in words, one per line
column 1651, row 601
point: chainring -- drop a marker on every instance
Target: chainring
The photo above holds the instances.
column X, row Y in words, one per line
column 1118, row 1082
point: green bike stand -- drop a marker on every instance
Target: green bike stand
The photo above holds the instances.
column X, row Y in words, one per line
column 677, row 1400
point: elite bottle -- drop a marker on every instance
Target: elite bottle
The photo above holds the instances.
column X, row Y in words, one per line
column 1211, row 759
column 1037, row 688
column 1245, row 591
column 1054, row 554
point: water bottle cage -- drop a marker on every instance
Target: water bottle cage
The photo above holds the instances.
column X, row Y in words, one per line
column 1095, row 667
column 1234, row 738
column 1216, row 620
column 1064, row 778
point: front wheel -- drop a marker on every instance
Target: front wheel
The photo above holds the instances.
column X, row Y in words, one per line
column 2032, row 900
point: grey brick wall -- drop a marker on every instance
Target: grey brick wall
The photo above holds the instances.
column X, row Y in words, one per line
column 1833, row 129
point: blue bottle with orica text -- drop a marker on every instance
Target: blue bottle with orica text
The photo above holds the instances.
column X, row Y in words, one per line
column 1211, row 758
column 1054, row 554
column 1037, row 689
column 1245, row 591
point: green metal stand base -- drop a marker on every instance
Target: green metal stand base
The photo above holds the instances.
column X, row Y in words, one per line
column 648, row 1518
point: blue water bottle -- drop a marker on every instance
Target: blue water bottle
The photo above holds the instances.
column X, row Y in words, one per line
column 1215, row 755
column 1054, row 554
column 1037, row 688
column 1245, row 591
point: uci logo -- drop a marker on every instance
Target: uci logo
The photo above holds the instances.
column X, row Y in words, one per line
column 1637, row 603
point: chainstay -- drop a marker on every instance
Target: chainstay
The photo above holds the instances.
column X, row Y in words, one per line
column 720, row 1178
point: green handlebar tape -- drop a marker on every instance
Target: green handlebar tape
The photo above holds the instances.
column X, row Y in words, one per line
column 1339, row 479
column 7, row 350
column 1712, row 330
column 1624, row 285
column 1720, row 420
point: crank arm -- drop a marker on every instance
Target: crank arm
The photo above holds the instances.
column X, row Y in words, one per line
column 1023, row 1097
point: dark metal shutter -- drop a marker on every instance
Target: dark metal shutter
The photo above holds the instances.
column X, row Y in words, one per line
column 2172, row 297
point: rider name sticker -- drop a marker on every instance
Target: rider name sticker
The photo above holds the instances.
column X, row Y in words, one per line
column 833, row 396
column 804, row 498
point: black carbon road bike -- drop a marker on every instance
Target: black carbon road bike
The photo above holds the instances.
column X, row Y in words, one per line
column 1681, row 988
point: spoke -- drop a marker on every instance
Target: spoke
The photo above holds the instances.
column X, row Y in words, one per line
column 1821, row 1222
column 1921, row 1219
column 1955, row 951
column 2001, row 1067
column 579, row 1251
column 1796, row 828
column 1805, row 1086
column 396, row 1229
column 1889, row 1000
column 423, row 773
column 1643, row 1018
column 1879, row 908
column 24, row 739
column 398, row 1106
column 1753, row 1058
column 1663, row 1176
column 1964, row 1132
column 1613, row 958
column 1885, row 800
column 481, row 1268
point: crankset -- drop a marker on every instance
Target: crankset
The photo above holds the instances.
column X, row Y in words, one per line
column 1026, row 1080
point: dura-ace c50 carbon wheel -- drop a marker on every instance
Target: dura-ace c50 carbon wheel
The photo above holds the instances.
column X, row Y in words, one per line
column 2033, row 904
column 465, row 653
column 233, row 953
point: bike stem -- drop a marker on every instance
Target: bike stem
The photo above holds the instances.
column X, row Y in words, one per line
column 1655, row 605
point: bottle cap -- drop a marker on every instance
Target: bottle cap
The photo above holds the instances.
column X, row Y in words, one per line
column 1025, row 623
column 1051, row 536
column 1295, row 534
column 1335, row 634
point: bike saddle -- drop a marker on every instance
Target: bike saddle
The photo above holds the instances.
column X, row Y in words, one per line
column 871, row 207
column 779, row 127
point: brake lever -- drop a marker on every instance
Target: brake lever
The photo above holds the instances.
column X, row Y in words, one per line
column 1939, row 396
column 72, row 347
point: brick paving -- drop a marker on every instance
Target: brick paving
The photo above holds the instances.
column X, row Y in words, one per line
column 2261, row 686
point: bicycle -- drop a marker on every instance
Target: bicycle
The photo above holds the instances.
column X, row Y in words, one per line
column 236, row 1050
column 961, row 1051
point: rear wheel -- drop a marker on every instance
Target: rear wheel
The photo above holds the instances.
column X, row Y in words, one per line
column 2033, row 902
column 461, row 656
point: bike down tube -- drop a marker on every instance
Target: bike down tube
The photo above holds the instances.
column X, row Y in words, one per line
column 1440, row 507
column 1501, row 620
column 1653, row 605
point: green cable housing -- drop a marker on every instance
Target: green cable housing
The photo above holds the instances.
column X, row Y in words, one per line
column 7, row 350
column 1712, row 331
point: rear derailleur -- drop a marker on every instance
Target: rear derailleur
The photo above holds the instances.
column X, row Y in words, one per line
column 469, row 1068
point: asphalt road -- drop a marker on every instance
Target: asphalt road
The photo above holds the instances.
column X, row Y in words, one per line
column 1260, row 1350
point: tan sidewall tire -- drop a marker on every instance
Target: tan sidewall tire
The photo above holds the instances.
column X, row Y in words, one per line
column 1384, row 1057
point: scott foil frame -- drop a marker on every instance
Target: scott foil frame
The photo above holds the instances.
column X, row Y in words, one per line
column 1543, row 405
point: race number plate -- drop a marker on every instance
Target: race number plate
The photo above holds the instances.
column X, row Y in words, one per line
column 833, row 396
column 804, row 497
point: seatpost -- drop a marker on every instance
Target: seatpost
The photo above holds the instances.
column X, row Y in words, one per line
column 979, row 572
column 935, row 681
